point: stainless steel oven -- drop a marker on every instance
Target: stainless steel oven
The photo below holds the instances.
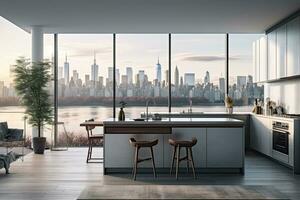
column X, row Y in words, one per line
column 280, row 132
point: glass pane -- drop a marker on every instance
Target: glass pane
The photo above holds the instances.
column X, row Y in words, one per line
column 83, row 92
column 198, row 72
column 141, row 73
column 241, row 86
column 15, row 43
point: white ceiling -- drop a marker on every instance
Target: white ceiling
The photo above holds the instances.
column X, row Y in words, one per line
column 148, row 16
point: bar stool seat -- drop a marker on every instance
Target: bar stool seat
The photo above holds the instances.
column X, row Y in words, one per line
column 142, row 144
column 187, row 144
column 183, row 143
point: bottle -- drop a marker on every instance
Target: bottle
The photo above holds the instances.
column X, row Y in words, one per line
column 121, row 115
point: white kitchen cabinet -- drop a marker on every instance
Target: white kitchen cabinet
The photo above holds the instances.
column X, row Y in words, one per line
column 281, row 52
column 293, row 47
column 261, row 134
column 266, row 136
column 263, row 52
column 254, row 133
column 254, row 62
column 257, row 59
column 272, row 56
column 225, row 147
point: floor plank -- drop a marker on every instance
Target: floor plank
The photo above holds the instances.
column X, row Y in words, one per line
column 64, row 174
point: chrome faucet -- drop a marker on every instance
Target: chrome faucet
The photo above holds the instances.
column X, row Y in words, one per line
column 147, row 109
column 190, row 110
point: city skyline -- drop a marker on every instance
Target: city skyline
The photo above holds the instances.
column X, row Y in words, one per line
column 197, row 52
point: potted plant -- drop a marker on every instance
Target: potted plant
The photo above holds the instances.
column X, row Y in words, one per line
column 229, row 104
column 30, row 81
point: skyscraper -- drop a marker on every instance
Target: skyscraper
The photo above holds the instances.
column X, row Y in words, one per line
column 167, row 77
column 176, row 76
column 207, row 78
column 87, row 79
column 189, row 79
column 110, row 74
column 222, row 84
column 141, row 76
column 158, row 71
column 241, row 81
column 129, row 74
column 94, row 70
column 117, row 77
column 66, row 71
column 75, row 75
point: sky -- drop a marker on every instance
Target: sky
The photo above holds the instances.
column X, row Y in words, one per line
column 195, row 53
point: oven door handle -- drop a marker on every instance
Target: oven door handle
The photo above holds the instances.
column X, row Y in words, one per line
column 281, row 131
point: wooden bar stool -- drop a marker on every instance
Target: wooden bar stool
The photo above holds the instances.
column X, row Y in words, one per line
column 138, row 145
column 178, row 144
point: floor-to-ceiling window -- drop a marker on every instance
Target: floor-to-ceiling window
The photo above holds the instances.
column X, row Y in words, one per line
column 84, row 86
column 241, row 86
column 142, row 73
column 198, row 72
column 15, row 43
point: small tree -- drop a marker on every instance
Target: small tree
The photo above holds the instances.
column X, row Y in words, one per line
column 30, row 82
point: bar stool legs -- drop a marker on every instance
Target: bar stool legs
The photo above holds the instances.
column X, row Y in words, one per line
column 135, row 162
column 153, row 164
column 178, row 161
column 192, row 161
column 173, row 159
column 142, row 144
column 177, row 145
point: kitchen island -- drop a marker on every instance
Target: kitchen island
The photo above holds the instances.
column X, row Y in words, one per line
column 220, row 146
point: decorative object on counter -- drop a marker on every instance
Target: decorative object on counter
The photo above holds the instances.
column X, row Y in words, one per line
column 257, row 107
column 156, row 116
column 121, row 112
column 279, row 110
column 270, row 107
column 229, row 104
column 139, row 119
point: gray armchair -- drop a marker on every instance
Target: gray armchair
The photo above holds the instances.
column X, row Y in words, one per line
column 11, row 137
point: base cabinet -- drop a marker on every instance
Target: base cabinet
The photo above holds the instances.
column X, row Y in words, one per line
column 261, row 135
column 224, row 148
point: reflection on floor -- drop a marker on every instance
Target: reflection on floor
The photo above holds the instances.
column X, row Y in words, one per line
column 64, row 174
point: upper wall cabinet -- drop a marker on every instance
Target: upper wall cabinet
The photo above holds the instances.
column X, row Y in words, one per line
column 263, row 68
column 281, row 52
column 260, row 67
column 293, row 47
column 272, row 56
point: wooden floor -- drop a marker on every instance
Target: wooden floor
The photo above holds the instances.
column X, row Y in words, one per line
column 64, row 174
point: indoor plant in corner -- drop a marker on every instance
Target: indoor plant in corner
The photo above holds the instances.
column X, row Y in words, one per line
column 31, row 80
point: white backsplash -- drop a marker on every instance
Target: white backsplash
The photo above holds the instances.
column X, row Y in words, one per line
column 286, row 93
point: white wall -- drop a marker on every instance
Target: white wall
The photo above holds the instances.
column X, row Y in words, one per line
column 286, row 93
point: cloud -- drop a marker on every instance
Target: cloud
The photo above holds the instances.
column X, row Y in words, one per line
column 85, row 52
column 203, row 58
column 210, row 58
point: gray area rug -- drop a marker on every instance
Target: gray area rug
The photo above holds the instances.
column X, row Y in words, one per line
column 152, row 192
